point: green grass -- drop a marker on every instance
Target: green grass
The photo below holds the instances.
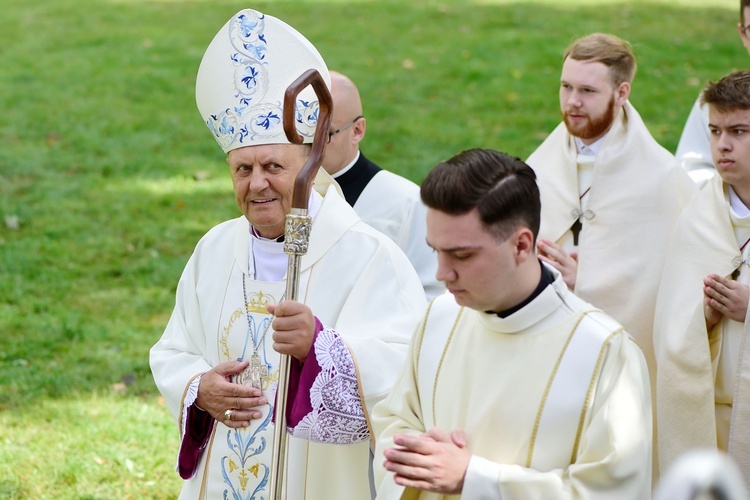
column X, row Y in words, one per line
column 100, row 141
column 101, row 446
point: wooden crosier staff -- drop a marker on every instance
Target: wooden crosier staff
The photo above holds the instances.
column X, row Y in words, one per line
column 296, row 238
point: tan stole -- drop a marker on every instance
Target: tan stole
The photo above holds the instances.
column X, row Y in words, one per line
column 726, row 343
column 739, row 435
column 637, row 191
column 704, row 243
column 563, row 411
column 585, row 172
column 439, row 325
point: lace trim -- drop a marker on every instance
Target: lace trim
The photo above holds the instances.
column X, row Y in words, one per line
column 190, row 397
column 337, row 416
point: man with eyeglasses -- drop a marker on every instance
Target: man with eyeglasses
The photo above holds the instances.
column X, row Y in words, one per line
column 386, row 201
column 694, row 148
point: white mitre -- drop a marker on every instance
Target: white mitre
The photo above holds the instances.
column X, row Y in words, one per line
column 243, row 76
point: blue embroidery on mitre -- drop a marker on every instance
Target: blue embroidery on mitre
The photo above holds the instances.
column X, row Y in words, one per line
column 247, row 29
column 265, row 120
column 306, row 114
column 256, row 115
column 226, row 128
column 251, row 74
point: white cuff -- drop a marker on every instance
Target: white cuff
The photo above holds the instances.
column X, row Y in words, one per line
column 482, row 480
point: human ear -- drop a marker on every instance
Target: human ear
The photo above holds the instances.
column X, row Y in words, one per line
column 622, row 93
column 360, row 128
column 524, row 243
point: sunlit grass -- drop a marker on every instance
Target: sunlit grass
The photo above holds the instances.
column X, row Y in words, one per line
column 727, row 4
column 108, row 177
column 174, row 185
column 102, row 446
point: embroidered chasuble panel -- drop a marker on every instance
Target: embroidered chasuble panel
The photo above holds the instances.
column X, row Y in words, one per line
column 239, row 460
column 467, row 405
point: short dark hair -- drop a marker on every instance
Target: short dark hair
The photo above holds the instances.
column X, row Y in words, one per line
column 610, row 50
column 502, row 188
column 730, row 93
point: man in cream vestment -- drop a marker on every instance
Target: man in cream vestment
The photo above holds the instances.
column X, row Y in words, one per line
column 514, row 387
column 610, row 194
column 701, row 324
column 694, row 148
column 386, row 201
column 359, row 298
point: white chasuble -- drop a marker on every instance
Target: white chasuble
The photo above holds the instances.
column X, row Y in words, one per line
column 693, row 380
column 354, row 279
column 495, row 378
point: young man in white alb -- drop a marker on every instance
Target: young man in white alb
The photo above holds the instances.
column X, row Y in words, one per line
column 514, row 387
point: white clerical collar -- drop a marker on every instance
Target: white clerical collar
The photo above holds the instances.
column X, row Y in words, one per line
column 267, row 260
column 346, row 168
column 738, row 206
column 590, row 149
column 538, row 310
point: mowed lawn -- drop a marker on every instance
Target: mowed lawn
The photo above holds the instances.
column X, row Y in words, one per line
column 108, row 177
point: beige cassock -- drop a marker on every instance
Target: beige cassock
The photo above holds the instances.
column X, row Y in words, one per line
column 637, row 192
column 355, row 280
column 688, row 396
column 554, row 400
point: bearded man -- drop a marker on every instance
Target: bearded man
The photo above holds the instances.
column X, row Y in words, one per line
column 610, row 193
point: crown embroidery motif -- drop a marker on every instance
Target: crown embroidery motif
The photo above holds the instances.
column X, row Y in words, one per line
column 259, row 302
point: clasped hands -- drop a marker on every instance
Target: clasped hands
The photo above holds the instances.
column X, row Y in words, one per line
column 294, row 330
column 434, row 461
column 724, row 297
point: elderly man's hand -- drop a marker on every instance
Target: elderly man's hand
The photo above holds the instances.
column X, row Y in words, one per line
column 217, row 394
column 294, row 328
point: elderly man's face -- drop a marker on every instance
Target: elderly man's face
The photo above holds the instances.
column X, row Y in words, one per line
column 263, row 178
